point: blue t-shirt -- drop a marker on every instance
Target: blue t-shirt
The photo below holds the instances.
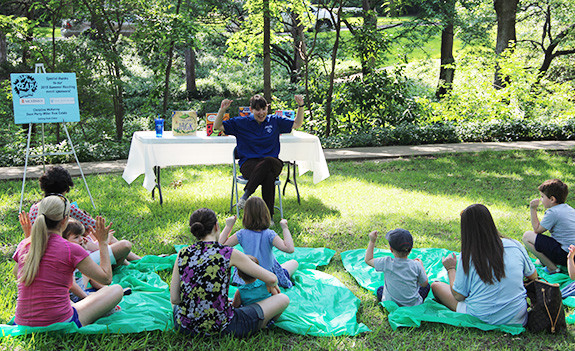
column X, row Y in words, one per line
column 255, row 140
column 253, row 292
column 502, row 302
column 559, row 220
column 259, row 244
column 402, row 277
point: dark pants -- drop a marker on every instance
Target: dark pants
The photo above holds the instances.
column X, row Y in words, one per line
column 262, row 171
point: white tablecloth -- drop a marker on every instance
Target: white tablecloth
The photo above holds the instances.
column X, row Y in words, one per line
column 148, row 151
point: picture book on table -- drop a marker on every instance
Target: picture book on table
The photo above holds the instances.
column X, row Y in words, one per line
column 244, row 111
column 286, row 113
column 184, row 123
column 210, row 119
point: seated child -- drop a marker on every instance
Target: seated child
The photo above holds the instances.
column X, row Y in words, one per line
column 405, row 281
column 258, row 240
column 254, row 290
column 75, row 232
column 559, row 220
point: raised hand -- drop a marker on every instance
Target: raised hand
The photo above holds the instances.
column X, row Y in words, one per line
column 373, row 236
column 298, row 99
column 25, row 223
column 571, row 252
column 230, row 221
column 226, row 103
column 449, row 262
column 102, row 230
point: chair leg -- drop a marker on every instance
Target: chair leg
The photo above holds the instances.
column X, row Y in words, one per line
column 280, row 198
column 232, row 196
column 237, row 199
column 295, row 182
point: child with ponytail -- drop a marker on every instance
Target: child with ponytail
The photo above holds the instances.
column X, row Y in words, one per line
column 45, row 270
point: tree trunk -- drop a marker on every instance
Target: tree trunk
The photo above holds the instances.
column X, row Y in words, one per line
column 53, row 43
column 118, row 96
column 170, row 55
column 329, row 97
column 298, row 49
column 170, row 58
column 191, row 87
column 3, row 49
column 506, row 11
column 267, row 52
column 29, row 35
column 447, row 69
column 369, row 26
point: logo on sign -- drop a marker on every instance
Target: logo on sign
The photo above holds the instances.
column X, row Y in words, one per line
column 25, row 86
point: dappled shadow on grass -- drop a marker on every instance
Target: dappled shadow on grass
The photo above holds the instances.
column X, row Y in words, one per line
column 427, row 232
column 504, row 178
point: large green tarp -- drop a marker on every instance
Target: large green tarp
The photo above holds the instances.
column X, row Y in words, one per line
column 430, row 310
column 320, row 304
column 147, row 308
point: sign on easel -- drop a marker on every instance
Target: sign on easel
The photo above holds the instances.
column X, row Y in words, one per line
column 42, row 97
column 45, row 98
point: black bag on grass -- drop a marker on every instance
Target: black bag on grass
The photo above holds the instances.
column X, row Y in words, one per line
column 546, row 311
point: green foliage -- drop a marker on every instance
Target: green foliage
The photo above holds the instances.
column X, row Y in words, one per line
column 379, row 99
column 462, row 131
column 474, row 98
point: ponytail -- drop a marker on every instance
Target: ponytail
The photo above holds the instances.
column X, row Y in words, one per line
column 38, row 241
column 49, row 208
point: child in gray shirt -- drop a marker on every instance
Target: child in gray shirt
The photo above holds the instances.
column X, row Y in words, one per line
column 405, row 281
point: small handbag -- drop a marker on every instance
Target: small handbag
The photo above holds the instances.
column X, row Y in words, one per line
column 546, row 311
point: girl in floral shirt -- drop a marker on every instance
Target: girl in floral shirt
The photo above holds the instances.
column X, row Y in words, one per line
column 200, row 282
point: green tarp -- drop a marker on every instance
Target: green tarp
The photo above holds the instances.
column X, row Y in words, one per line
column 320, row 304
column 147, row 308
column 430, row 310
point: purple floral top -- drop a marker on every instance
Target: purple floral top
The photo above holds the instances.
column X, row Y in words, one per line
column 204, row 281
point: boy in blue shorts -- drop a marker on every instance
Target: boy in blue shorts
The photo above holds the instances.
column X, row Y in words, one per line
column 405, row 281
column 559, row 220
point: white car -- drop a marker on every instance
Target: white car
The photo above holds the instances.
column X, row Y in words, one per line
column 77, row 27
column 321, row 18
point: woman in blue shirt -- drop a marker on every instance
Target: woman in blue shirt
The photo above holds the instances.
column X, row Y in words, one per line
column 488, row 281
column 258, row 144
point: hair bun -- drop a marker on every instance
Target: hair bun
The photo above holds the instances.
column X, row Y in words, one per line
column 197, row 228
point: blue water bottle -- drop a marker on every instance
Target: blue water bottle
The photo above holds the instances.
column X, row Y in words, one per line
column 159, row 127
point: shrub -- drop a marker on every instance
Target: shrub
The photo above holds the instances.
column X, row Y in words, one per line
column 464, row 131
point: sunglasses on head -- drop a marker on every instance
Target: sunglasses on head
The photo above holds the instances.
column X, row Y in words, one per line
column 63, row 199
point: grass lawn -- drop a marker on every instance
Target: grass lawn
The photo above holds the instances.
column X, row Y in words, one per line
column 47, row 32
column 424, row 195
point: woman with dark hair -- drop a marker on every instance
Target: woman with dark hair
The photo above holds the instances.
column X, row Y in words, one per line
column 200, row 284
column 258, row 144
column 488, row 281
